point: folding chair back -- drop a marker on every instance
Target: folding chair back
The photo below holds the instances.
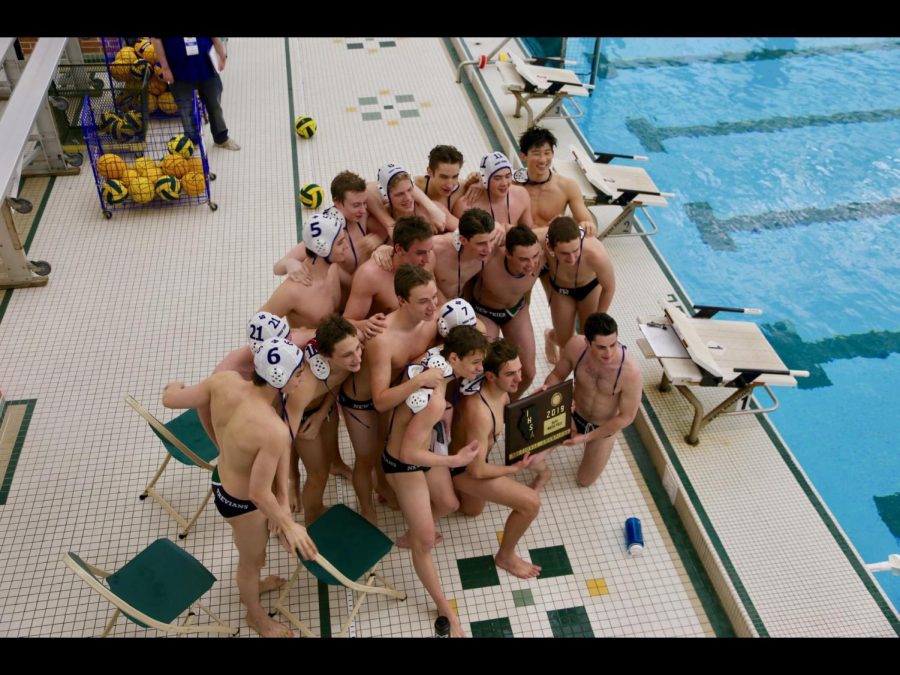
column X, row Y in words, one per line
column 154, row 588
column 184, row 439
column 350, row 547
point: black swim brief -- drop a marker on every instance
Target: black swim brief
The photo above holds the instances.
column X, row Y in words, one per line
column 353, row 404
column 583, row 426
column 393, row 465
column 498, row 316
column 578, row 293
column 227, row 505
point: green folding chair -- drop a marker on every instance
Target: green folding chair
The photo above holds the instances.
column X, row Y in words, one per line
column 350, row 547
column 154, row 588
column 184, row 439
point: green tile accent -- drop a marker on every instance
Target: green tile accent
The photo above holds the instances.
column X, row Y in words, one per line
column 324, row 610
column 405, row 98
column 478, row 572
column 389, row 107
column 553, row 561
column 7, row 295
column 298, row 216
column 368, row 100
column 354, row 45
column 492, row 628
column 700, row 580
column 40, row 212
column 6, row 485
column 705, row 521
column 368, row 117
column 4, row 303
column 863, row 574
column 387, row 43
column 409, row 113
column 571, row 622
column 523, row 597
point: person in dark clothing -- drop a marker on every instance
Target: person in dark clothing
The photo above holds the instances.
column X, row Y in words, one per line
column 187, row 64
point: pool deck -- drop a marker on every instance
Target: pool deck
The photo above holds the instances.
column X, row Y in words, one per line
column 779, row 560
column 157, row 295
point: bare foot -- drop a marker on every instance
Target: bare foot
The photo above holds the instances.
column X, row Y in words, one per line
column 270, row 583
column 390, row 501
column 403, row 540
column 341, row 469
column 541, row 479
column 551, row 351
column 263, row 624
column 456, row 629
column 517, row 567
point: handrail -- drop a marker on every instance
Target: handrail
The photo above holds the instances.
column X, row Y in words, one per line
column 24, row 104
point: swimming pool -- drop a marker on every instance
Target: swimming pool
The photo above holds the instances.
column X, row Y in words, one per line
column 784, row 155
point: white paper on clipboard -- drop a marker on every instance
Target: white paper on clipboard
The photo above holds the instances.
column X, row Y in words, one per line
column 214, row 60
column 664, row 342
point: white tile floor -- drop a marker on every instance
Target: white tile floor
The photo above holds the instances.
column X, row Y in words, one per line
column 162, row 294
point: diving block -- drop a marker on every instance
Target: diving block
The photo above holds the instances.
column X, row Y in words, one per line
column 697, row 351
column 612, row 191
column 527, row 82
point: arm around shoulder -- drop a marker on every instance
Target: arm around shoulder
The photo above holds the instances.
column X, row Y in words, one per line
column 360, row 301
column 177, row 395
column 564, row 365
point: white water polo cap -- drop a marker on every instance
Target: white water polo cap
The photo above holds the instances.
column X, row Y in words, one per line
column 435, row 360
column 490, row 164
column 333, row 212
column 320, row 234
column 455, row 312
column 263, row 326
column 386, row 174
column 420, row 397
column 473, row 386
column 277, row 360
column 317, row 363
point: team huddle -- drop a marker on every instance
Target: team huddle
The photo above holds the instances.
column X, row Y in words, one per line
column 390, row 317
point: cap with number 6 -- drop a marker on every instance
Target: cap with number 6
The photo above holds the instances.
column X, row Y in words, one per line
column 277, row 360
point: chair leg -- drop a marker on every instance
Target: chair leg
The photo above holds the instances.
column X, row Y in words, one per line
column 286, row 589
column 280, row 608
column 357, row 605
column 162, row 467
column 189, row 627
column 389, row 589
column 370, row 587
column 168, row 508
column 110, row 624
column 193, row 520
column 233, row 631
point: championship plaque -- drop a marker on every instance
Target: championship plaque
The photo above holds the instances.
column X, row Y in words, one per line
column 538, row 422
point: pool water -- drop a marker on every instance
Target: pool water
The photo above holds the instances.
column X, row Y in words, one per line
column 784, row 155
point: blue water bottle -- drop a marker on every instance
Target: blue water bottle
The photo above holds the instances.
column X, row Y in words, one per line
column 634, row 538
